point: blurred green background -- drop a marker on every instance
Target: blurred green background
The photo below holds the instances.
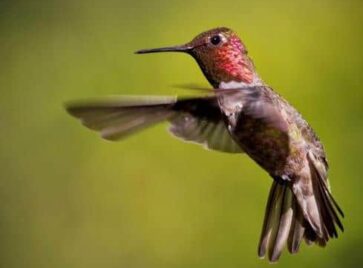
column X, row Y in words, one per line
column 71, row 199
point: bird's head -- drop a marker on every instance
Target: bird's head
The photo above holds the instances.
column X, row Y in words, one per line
column 220, row 54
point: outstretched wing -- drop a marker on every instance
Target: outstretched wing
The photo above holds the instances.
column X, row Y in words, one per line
column 192, row 119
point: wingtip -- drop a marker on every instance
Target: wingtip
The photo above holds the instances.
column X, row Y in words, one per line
column 74, row 111
column 69, row 109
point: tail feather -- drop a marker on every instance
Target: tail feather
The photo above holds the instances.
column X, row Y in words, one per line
column 287, row 222
column 297, row 229
column 275, row 219
column 280, row 224
column 277, row 223
column 284, row 225
column 329, row 203
column 327, row 206
column 268, row 220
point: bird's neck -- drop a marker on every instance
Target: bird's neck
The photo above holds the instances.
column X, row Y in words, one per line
column 236, row 71
column 233, row 84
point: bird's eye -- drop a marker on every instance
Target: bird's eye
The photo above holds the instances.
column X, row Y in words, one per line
column 215, row 40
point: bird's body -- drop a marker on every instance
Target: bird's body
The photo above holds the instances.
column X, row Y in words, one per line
column 279, row 150
column 283, row 144
column 243, row 114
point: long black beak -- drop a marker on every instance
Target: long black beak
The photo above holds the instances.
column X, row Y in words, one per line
column 182, row 48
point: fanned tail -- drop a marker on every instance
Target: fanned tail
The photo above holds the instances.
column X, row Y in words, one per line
column 291, row 216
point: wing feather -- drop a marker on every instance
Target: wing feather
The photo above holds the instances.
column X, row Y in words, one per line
column 195, row 119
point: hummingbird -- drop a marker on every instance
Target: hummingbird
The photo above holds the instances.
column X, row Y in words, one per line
column 240, row 114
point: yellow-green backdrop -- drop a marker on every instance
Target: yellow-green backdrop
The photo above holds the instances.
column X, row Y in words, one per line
column 71, row 199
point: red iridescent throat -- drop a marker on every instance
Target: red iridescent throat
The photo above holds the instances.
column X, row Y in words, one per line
column 232, row 60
